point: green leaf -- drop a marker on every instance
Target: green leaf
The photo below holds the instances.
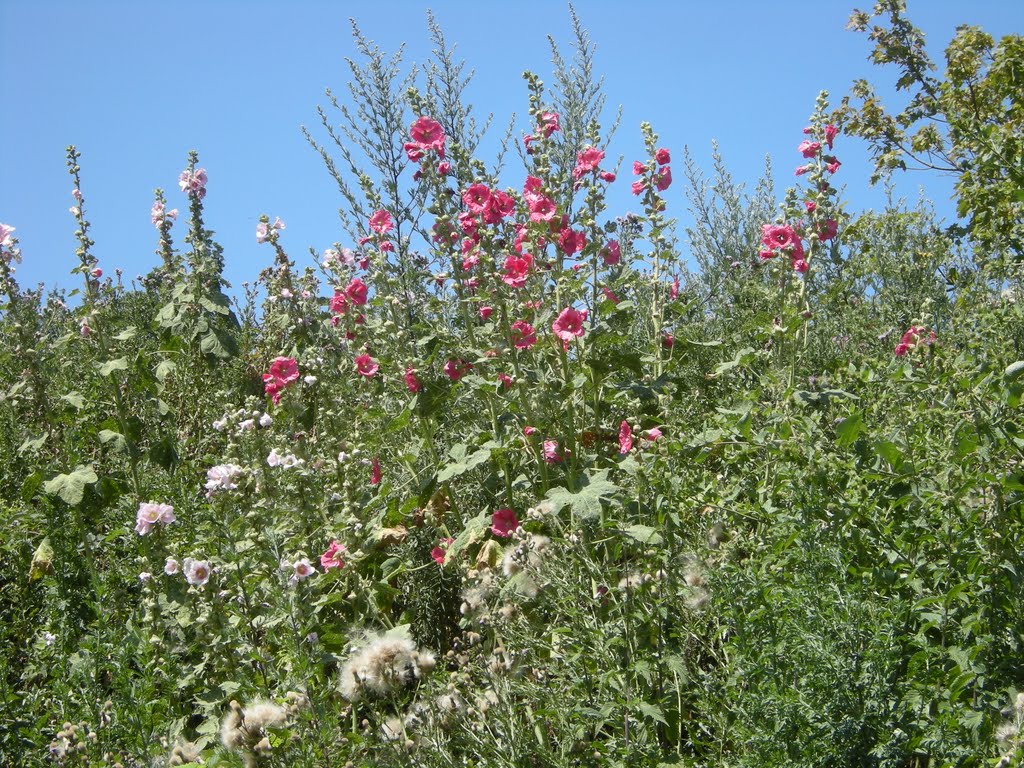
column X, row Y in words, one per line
column 645, row 534
column 126, row 334
column 107, row 368
column 585, row 502
column 848, row 429
column 475, row 459
column 71, row 488
column 32, row 444
column 120, row 444
column 74, row 398
column 1014, row 370
column 164, row 369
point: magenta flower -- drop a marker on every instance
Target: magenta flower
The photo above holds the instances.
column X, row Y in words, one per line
column 283, row 371
column 638, row 187
column 542, row 208
column 523, row 335
column 332, row 557
column 411, row 382
column 571, row 241
column 809, row 148
column 833, row 165
column 550, row 453
column 381, row 222
column 569, row 324
column 485, row 313
column 662, row 156
column 428, row 134
column 476, row 197
column 439, row 552
column 625, row 437
column 639, row 169
column 517, row 269
column 828, row 230
column 611, row 253
column 587, row 161
column 549, row 122
column 456, row 368
column 504, row 522
column 356, row 291
column 664, row 178
column 375, row 474
column 366, row 366
column 830, row 134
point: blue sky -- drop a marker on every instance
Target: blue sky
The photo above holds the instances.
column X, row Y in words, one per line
column 135, row 85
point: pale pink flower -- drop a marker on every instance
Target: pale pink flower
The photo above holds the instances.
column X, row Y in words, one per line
column 150, row 513
column 262, row 232
column 171, row 566
column 504, row 522
column 197, row 572
column 278, row 224
column 550, row 452
column 5, row 235
column 301, row 569
column 193, row 183
column 332, row 557
column 222, row 477
column 77, row 194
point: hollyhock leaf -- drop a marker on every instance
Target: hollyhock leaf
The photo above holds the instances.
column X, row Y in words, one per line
column 1014, row 370
column 120, row 444
column 164, row 369
column 31, row 444
column 42, row 560
column 463, row 465
column 645, row 534
column 75, row 399
column 585, row 502
column 474, row 531
column 107, row 368
column 71, row 487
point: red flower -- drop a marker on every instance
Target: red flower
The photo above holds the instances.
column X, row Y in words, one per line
column 572, row 242
column 438, row 553
column 375, row 473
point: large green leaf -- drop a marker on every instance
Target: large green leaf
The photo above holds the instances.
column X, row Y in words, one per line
column 586, row 502
column 71, row 488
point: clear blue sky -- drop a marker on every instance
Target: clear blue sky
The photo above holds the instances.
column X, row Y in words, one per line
column 136, row 84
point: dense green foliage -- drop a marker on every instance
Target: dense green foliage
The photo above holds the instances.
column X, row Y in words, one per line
column 426, row 512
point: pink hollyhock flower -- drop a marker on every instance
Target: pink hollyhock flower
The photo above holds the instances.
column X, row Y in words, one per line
column 150, row 513
column 356, row 291
column 485, row 313
column 638, row 187
column 569, row 324
column 381, row 222
column 523, row 335
column 800, row 266
column 662, row 156
column 664, row 178
column 411, row 382
column 811, row 206
column 444, row 168
column 97, row 273
column 332, row 557
column 901, row 349
column 809, row 148
column 456, row 368
column 375, row 474
column 625, row 437
column 278, row 224
column 5, row 235
column 609, row 295
column 171, row 566
column 833, row 165
column 652, row 434
column 541, row 209
column 285, row 369
column 338, row 304
column 439, row 552
column 611, row 253
column 517, row 270
column 639, row 169
column 529, row 431
column 549, row 122
column 607, row 176
column 301, row 570
column 527, row 140
column 587, row 161
column 550, row 452
column 572, row 242
column 504, row 522
column 829, row 230
column 428, row 133
column 262, row 232
column 673, row 291
column 830, row 134
column 386, row 247
column 197, row 572
column 504, row 380
column 498, row 207
column 366, row 366
column 476, row 197
column 780, row 236
column 802, row 170
column 668, row 341
column 413, row 151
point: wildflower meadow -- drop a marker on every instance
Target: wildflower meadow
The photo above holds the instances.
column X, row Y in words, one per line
column 509, row 476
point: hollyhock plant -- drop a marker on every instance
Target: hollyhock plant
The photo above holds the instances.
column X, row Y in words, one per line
column 332, row 557
column 504, row 522
column 569, row 324
column 366, row 365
